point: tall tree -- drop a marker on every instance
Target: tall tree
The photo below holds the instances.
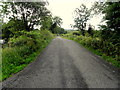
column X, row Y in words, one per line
column 82, row 16
column 29, row 12
column 112, row 16
column 57, row 21
column 111, row 30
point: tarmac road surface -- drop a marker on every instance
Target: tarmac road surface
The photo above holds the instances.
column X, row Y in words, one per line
column 65, row 64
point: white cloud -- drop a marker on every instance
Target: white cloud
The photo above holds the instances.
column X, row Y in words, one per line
column 65, row 10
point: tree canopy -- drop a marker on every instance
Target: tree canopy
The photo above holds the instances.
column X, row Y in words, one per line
column 82, row 16
column 30, row 13
column 112, row 16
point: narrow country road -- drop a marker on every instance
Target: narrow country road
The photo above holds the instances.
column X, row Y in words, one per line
column 65, row 64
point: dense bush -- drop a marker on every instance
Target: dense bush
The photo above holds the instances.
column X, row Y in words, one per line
column 22, row 50
column 11, row 28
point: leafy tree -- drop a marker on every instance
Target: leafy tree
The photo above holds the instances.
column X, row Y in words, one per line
column 56, row 26
column 82, row 16
column 112, row 16
column 30, row 13
column 59, row 30
column 62, row 31
column 97, row 8
column 46, row 22
column 110, row 31
column 57, row 20
column 52, row 28
column 111, row 10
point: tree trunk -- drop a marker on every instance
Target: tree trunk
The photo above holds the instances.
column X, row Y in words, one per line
column 25, row 23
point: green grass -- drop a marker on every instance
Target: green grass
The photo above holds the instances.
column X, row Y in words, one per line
column 19, row 54
column 12, row 68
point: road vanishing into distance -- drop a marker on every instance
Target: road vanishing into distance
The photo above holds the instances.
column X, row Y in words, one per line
column 65, row 64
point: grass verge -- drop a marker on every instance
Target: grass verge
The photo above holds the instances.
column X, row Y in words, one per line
column 23, row 50
column 110, row 59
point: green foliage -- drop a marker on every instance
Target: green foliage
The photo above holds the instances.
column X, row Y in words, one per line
column 23, row 50
column 112, row 16
column 57, row 20
column 58, row 30
column 30, row 13
column 46, row 22
column 56, row 26
column 19, row 41
column 62, row 31
column 97, row 8
column 107, row 35
column 76, row 33
column 111, row 10
column 110, row 31
column 11, row 28
column 82, row 16
column 106, row 49
column 96, row 33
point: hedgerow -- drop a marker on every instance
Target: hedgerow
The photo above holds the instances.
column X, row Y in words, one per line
column 106, row 49
column 22, row 50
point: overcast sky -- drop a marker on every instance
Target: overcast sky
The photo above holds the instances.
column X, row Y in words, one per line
column 65, row 10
